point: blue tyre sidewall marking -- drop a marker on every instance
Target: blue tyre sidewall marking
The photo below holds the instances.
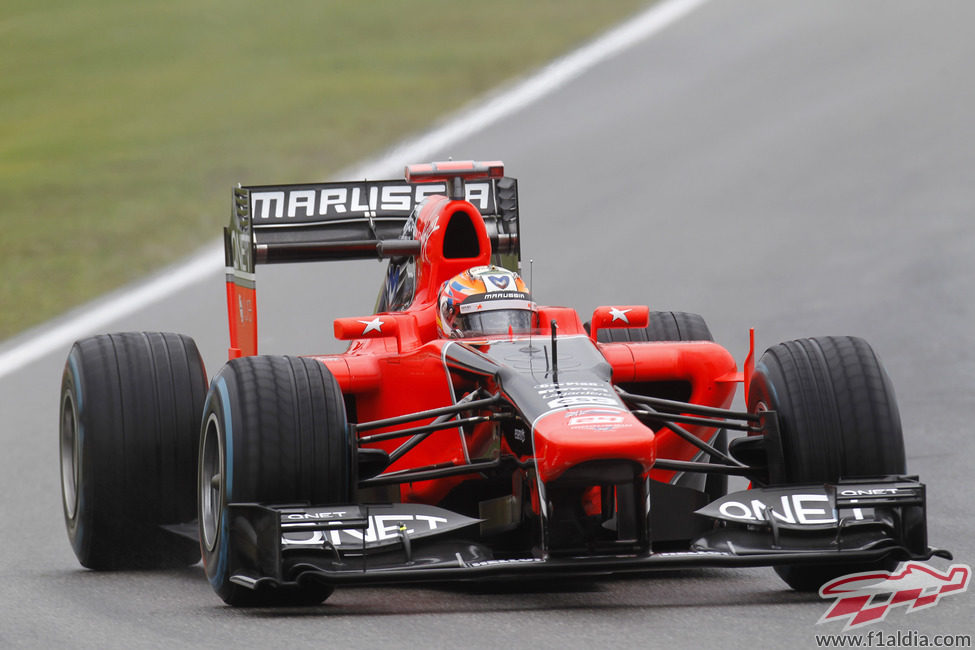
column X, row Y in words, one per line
column 761, row 368
column 79, row 528
column 219, row 577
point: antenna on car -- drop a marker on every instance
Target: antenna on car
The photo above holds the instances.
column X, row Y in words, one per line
column 531, row 277
column 531, row 302
column 555, row 352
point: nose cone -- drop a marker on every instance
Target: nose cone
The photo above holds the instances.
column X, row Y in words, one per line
column 570, row 437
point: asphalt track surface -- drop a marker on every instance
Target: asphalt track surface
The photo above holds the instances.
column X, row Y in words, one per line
column 801, row 168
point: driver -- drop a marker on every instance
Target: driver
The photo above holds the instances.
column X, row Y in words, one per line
column 485, row 300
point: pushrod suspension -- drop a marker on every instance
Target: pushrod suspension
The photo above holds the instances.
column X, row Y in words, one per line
column 684, row 407
column 462, row 405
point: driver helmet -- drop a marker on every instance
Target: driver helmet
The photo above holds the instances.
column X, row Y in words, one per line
column 485, row 300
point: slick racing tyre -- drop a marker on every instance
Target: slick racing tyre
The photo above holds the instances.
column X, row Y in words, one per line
column 838, row 418
column 129, row 420
column 274, row 432
column 662, row 326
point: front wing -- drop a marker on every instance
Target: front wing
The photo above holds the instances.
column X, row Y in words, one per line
column 852, row 522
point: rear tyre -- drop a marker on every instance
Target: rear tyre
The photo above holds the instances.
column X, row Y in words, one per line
column 838, row 418
column 274, row 431
column 661, row 326
column 129, row 417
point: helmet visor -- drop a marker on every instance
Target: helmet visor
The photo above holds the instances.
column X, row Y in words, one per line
column 496, row 321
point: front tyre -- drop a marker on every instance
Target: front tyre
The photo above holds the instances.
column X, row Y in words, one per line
column 274, row 431
column 129, row 415
column 838, row 418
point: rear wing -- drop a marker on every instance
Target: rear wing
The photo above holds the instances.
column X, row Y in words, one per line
column 365, row 219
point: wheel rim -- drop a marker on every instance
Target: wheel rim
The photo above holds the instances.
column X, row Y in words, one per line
column 70, row 464
column 211, row 482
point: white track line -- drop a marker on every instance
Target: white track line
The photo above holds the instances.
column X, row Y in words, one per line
column 655, row 19
column 555, row 75
column 92, row 319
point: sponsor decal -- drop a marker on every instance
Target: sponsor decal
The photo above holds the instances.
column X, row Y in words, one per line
column 580, row 400
column 385, row 526
column 426, row 234
column 787, row 507
column 866, row 598
column 326, row 201
column 315, row 516
column 474, row 307
column 382, row 529
column 595, row 419
column 500, row 281
column 592, row 420
column 504, row 295
column 245, row 309
column 240, row 246
column 870, row 492
column 577, row 393
column 511, row 561
column 564, row 385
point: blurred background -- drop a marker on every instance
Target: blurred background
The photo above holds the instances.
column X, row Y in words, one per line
column 125, row 124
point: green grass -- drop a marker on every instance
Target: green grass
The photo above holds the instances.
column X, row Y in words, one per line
column 124, row 123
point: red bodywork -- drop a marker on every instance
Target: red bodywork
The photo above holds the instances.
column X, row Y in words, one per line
column 395, row 366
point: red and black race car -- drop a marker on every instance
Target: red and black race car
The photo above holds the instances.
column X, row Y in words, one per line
column 468, row 433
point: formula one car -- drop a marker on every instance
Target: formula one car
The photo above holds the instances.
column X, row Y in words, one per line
column 468, row 433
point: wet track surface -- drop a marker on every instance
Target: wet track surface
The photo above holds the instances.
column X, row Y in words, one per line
column 802, row 168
